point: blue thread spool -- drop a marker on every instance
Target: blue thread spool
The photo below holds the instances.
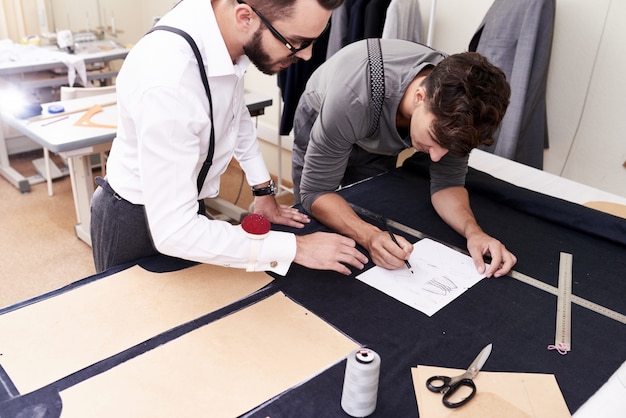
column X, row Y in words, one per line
column 56, row 108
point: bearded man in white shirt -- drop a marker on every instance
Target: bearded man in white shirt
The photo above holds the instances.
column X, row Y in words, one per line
column 150, row 201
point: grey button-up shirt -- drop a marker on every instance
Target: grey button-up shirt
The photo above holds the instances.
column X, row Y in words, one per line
column 334, row 114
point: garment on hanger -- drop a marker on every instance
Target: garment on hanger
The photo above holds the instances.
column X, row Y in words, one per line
column 374, row 19
column 292, row 81
column 338, row 32
column 516, row 35
column 353, row 21
column 356, row 20
column 403, row 21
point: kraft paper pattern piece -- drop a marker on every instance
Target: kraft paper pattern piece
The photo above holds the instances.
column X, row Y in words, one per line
column 498, row 394
column 222, row 369
column 46, row 341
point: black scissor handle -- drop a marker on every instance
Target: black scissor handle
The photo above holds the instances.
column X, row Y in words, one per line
column 454, row 388
column 438, row 384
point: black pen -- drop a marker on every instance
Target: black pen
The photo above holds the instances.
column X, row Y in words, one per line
column 393, row 238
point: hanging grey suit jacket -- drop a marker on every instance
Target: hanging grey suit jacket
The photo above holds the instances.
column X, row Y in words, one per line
column 516, row 35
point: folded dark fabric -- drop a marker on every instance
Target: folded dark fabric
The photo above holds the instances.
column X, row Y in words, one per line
column 562, row 212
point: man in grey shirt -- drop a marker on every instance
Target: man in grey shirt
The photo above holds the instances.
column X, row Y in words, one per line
column 440, row 105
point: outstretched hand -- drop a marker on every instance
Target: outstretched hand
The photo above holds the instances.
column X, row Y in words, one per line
column 320, row 250
column 279, row 214
column 502, row 260
column 328, row 251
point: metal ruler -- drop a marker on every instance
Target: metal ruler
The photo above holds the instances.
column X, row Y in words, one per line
column 514, row 274
column 562, row 337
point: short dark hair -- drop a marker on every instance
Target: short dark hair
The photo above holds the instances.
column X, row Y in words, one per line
column 277, row 9
column 468, row 97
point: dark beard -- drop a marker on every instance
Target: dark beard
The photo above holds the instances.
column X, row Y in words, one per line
column 257, row 55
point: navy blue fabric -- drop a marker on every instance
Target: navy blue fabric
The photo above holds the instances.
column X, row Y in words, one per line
column 567, row 214
column 517, row 318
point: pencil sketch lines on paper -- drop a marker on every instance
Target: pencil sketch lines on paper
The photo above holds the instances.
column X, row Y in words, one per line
column 441, row 275
column 440, row 286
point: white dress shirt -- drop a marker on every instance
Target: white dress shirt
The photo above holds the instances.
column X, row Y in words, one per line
column 163, row 138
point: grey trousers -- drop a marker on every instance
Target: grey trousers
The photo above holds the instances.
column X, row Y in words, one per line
column 119, row 229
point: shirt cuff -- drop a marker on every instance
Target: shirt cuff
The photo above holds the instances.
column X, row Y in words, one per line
column 276, row 253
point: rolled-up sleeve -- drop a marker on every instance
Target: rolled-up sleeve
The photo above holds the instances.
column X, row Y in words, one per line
column 450, row 171
column 341, row 121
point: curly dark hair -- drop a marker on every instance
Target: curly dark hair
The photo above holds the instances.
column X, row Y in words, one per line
column 468, row 97
column 277, row 9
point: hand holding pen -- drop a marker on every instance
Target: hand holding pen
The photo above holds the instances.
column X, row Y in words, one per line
column 393, row 238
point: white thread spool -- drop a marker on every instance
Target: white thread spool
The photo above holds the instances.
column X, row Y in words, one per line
column 360, row 385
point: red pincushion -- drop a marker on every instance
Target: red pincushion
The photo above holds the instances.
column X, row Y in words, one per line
column 255, row 224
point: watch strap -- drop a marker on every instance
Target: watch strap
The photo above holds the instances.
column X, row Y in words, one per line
column 265, row 191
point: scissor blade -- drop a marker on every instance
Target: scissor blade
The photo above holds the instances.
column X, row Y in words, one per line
column 479, row 361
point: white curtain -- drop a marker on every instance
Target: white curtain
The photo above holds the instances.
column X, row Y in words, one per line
column 14, row 19
column 4, row 32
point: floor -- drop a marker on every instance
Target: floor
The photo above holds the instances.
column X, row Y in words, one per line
column 39, row 249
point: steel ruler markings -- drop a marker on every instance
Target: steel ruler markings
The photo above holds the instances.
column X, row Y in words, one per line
column 514, row 274
column 592, row 306
column 564, row 303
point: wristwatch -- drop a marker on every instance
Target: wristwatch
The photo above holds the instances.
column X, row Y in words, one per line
column 264, row 191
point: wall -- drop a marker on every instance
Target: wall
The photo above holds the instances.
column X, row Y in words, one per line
column 122, row 17
column 586, row 86
column 597, row 153
column 12, row 19
column 20, row 18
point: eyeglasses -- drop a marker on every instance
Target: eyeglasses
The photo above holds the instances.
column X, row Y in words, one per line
column 281, row 38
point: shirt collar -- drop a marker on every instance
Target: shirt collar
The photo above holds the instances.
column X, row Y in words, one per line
column 198, row 19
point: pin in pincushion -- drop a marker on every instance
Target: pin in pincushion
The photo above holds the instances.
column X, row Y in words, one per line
column 257, row 226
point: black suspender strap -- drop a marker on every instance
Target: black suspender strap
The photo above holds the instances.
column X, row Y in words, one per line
column 377, row 82
column 209, row 159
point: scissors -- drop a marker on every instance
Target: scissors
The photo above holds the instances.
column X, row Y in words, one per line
column 450, row 385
